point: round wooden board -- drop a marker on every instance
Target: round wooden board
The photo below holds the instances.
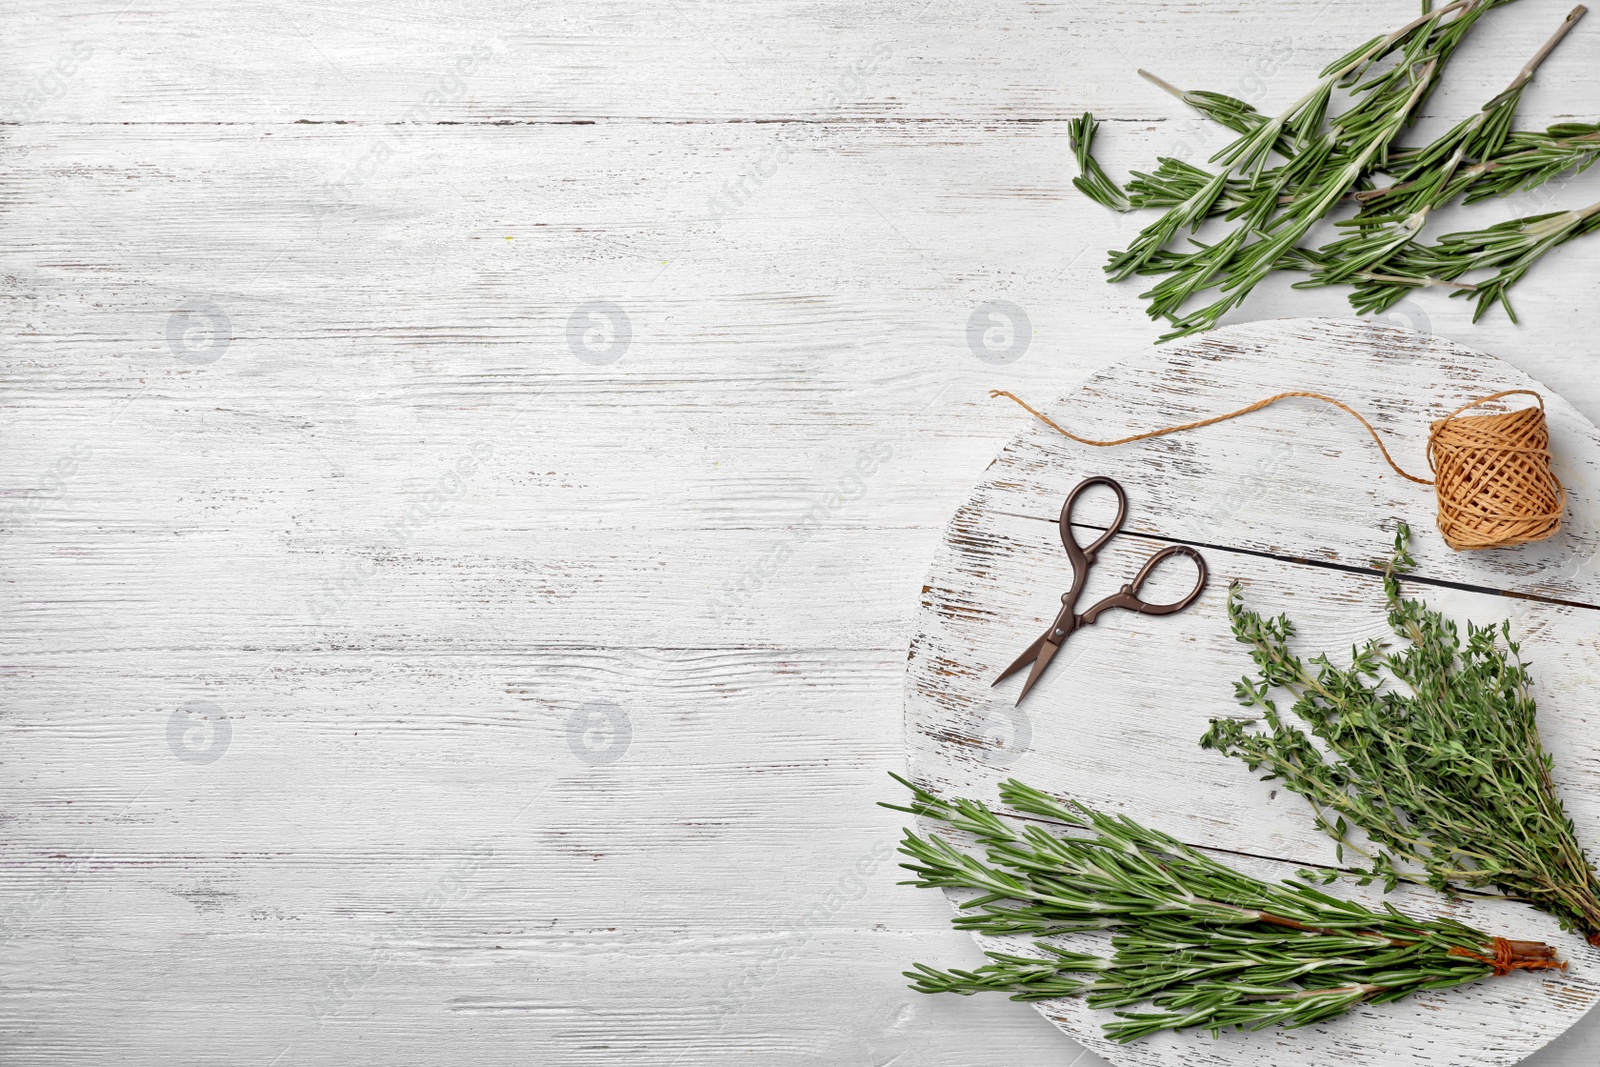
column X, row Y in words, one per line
column 1294, row 502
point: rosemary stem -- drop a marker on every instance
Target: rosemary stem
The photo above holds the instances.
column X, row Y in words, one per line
column 1165, row 86
column 1529, row 68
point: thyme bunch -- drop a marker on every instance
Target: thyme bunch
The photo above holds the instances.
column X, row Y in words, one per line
column 1445, row 772
column 1283, row 174
column 1201, row 944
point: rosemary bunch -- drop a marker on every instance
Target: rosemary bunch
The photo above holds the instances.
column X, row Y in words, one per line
column 1204, row 945
column 1391, row 218
column 1284, row 174
column 1325, row 164
column 1447, row 776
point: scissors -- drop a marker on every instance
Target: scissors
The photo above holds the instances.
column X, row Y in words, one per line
column 1068, row 621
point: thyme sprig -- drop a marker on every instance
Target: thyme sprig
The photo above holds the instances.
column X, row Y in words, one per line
column 1445, row 772
column 1202, row 944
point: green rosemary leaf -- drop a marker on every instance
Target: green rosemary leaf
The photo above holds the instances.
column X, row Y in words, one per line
column 1444, row 771
column 1092, row 181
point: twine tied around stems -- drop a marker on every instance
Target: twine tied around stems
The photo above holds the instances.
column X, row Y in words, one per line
column 1514, row 956
column 1491, row 473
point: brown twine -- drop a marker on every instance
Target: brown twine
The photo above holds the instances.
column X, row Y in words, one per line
column 1492, row 474
column 1515, row 956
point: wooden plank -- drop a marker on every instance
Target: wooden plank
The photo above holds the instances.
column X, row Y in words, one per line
column 827, row 288
column 510, row 60
column 286, row 886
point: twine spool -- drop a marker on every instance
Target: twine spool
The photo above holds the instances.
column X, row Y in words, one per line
column 1492, row 476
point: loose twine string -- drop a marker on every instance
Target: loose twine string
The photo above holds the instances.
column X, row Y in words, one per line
column 1492, row 474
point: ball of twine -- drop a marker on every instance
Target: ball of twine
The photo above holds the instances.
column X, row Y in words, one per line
column 1492, row 476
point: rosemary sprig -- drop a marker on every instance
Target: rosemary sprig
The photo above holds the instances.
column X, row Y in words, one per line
column 1529, row 160
column 1447, row 776
column 1204, row 945
column 1509, row 248
column 1220, row 108
column 1526, row 160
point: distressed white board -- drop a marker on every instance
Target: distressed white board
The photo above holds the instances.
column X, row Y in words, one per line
column 1292, row 502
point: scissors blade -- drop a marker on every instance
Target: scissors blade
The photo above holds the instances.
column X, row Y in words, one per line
column 1029, row 654
column 1047, row 652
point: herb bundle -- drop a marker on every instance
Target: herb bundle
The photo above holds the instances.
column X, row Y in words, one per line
column 1449, row 778
column 1284, row 174
column 1204, row 945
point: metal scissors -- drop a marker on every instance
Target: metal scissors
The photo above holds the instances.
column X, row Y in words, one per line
column 1043, row 650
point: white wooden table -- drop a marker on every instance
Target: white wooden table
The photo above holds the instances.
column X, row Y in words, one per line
column 469, row 469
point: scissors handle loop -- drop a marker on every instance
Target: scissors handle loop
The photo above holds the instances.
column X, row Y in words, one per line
column 1083, row 555
column 1128, row 597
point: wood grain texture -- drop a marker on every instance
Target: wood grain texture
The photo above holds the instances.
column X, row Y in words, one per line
column 1291, row 502
column 306, row 603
